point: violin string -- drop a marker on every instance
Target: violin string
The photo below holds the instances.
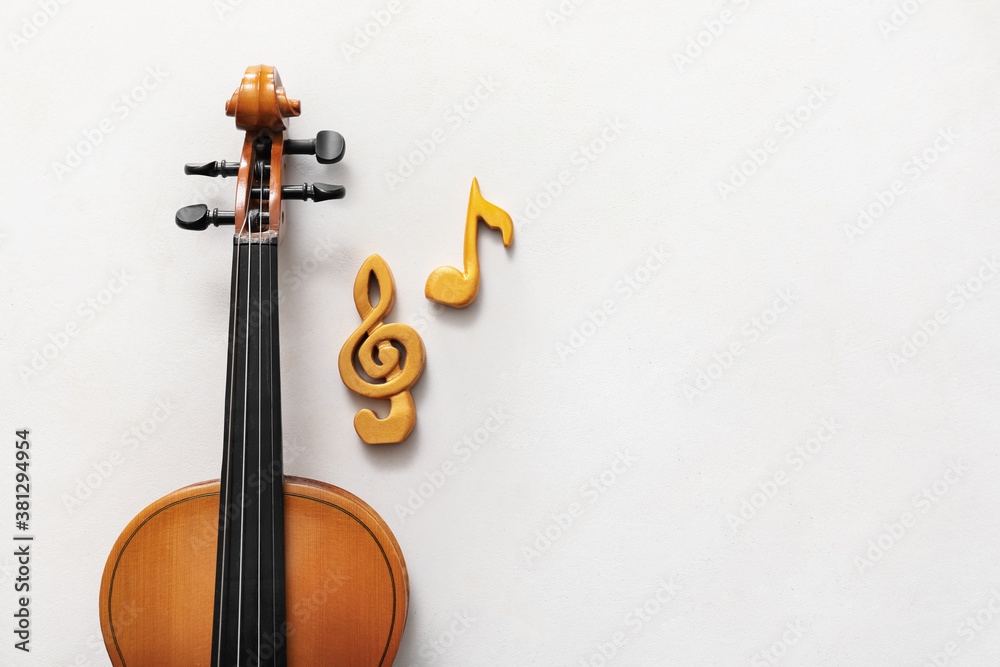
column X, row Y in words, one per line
column 274, row 462
column 246, row 386
column 260, row 353
column 229, row 442
column 276, row 475
column 269, row 542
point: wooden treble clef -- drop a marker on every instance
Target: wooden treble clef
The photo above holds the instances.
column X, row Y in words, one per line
column 374, row 345
column 452, row 287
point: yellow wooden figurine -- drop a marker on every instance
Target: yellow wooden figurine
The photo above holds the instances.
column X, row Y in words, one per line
column 452, row 287
column 371, row 345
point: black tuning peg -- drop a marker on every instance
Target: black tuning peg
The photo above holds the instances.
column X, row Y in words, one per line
column 197, row 217
column 328, row 147
column 220, row 168
column 314, row 191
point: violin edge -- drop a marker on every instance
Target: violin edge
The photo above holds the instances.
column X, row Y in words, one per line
column 297, row 489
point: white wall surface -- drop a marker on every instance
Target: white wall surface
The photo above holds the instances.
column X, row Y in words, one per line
column 875, row 548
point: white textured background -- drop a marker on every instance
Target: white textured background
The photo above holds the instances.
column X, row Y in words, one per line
column 719, row 542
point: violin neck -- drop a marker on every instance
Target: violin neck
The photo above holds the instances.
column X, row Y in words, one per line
column 249, row 618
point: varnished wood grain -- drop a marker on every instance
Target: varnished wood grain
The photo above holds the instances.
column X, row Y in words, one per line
column 260, row 102
column 345, row 578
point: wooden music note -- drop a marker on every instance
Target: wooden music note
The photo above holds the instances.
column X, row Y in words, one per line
column 448, row 285
column 372, row 345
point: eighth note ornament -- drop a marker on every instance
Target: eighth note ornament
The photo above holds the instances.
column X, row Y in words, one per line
column 458, row 289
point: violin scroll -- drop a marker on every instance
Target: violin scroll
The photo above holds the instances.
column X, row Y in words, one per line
column 260, row 107
column 260, row 102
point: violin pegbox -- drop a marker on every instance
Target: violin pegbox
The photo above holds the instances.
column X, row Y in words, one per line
column 260, row 107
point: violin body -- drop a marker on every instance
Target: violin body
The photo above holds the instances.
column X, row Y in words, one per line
column 344, row 575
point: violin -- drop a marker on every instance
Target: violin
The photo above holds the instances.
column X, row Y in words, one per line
column 255, row 569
